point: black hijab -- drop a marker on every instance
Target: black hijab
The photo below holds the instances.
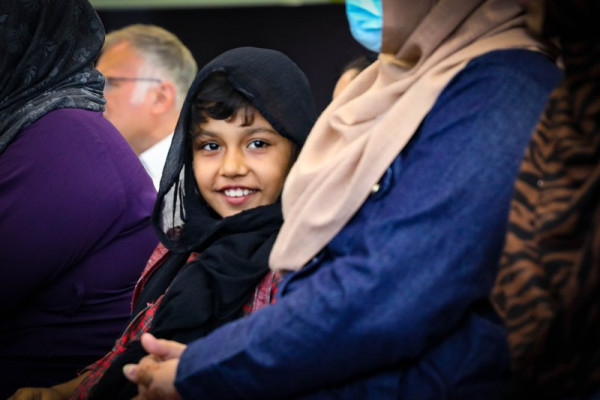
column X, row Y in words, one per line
column 47, row 56
column 211, row 291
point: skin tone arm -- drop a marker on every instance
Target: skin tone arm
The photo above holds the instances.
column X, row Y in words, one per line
column 57, row 392
column 155, row 374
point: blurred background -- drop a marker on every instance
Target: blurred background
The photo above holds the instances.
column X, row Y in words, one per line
column 313, row 33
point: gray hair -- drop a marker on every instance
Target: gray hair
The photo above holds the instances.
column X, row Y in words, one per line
column 161, row 50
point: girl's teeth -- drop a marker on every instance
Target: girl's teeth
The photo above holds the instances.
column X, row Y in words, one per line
column 237, row 192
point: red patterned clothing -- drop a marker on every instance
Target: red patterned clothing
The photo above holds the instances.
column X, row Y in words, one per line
column 140, row 324
column 264, row 295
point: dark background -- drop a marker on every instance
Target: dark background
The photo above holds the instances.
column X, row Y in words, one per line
column 316, row 37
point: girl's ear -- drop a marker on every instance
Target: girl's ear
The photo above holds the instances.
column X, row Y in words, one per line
column 295, row 150
column 164, row 98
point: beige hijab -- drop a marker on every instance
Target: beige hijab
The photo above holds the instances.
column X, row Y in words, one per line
column 425, row 44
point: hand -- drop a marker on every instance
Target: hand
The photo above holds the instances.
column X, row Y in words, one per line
column 31, row 393
column 161, row 349
column 155, row 373
column 57, row 392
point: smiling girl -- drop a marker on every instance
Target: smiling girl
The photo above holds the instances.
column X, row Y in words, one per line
column 218, row 211
column 239, row 162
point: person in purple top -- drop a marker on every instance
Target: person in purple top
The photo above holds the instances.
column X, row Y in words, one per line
column 75, row 202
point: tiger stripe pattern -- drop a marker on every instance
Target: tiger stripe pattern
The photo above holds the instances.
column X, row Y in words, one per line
column 548, row 285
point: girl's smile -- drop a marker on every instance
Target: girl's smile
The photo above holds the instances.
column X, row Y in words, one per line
column 238, row 195
column 237, row 166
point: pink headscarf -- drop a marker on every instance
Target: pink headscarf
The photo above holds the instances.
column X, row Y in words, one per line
column 425, row 44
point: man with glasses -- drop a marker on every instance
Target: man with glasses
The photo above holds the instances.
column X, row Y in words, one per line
column 148, row 72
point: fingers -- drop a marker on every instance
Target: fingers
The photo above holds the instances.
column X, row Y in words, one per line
column 141, row 376
column 154, row 379
column 22, row 394
column 142, row 373
column 160, row 348
column 25, row 394
column 31, row 393
column 152, row 394
column 130, row 372
column 138, row 374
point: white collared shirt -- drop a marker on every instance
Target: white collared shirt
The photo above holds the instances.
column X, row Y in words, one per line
column 154, row 159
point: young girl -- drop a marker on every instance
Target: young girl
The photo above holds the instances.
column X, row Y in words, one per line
column 245, row 118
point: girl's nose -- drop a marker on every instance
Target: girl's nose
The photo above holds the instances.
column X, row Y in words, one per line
column 233, row 163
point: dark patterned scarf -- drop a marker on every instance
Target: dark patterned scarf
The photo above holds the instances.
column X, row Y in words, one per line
column 47, row 53
column 548, row 287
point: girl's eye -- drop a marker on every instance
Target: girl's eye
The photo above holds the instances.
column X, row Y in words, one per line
column 210, row 146
column 257, row 144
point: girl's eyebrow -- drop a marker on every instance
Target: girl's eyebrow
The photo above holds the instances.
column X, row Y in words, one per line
column 250, row 131
column 202, row 132
column 247, row 132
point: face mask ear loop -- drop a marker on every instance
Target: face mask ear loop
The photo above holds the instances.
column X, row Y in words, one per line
column 390, row 58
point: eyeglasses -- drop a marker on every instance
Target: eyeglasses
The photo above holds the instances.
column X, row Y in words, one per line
column 113, row 81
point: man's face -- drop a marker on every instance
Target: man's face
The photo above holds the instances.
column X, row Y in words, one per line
column 127, row 100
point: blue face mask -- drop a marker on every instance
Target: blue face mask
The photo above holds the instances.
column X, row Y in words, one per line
column 366, row 22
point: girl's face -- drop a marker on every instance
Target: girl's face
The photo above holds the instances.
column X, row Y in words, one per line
column 240, row 167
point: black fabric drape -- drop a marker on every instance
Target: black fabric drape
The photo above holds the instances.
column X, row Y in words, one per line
column 47, row 56
column 206, row 293
column 276, row 87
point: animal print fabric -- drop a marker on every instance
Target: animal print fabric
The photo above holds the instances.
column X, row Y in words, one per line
column 548, row 287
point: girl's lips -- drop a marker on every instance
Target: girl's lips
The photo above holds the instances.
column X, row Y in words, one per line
column 237, row 196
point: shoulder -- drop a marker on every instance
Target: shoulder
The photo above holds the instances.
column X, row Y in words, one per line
column 87, row 134
column 499, row 75
column 82, row 131
column 78, row 155
column 79, row 133
column 515, row 63
column 499, row 92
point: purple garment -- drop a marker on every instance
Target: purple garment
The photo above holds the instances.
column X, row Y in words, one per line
column 75, row 233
